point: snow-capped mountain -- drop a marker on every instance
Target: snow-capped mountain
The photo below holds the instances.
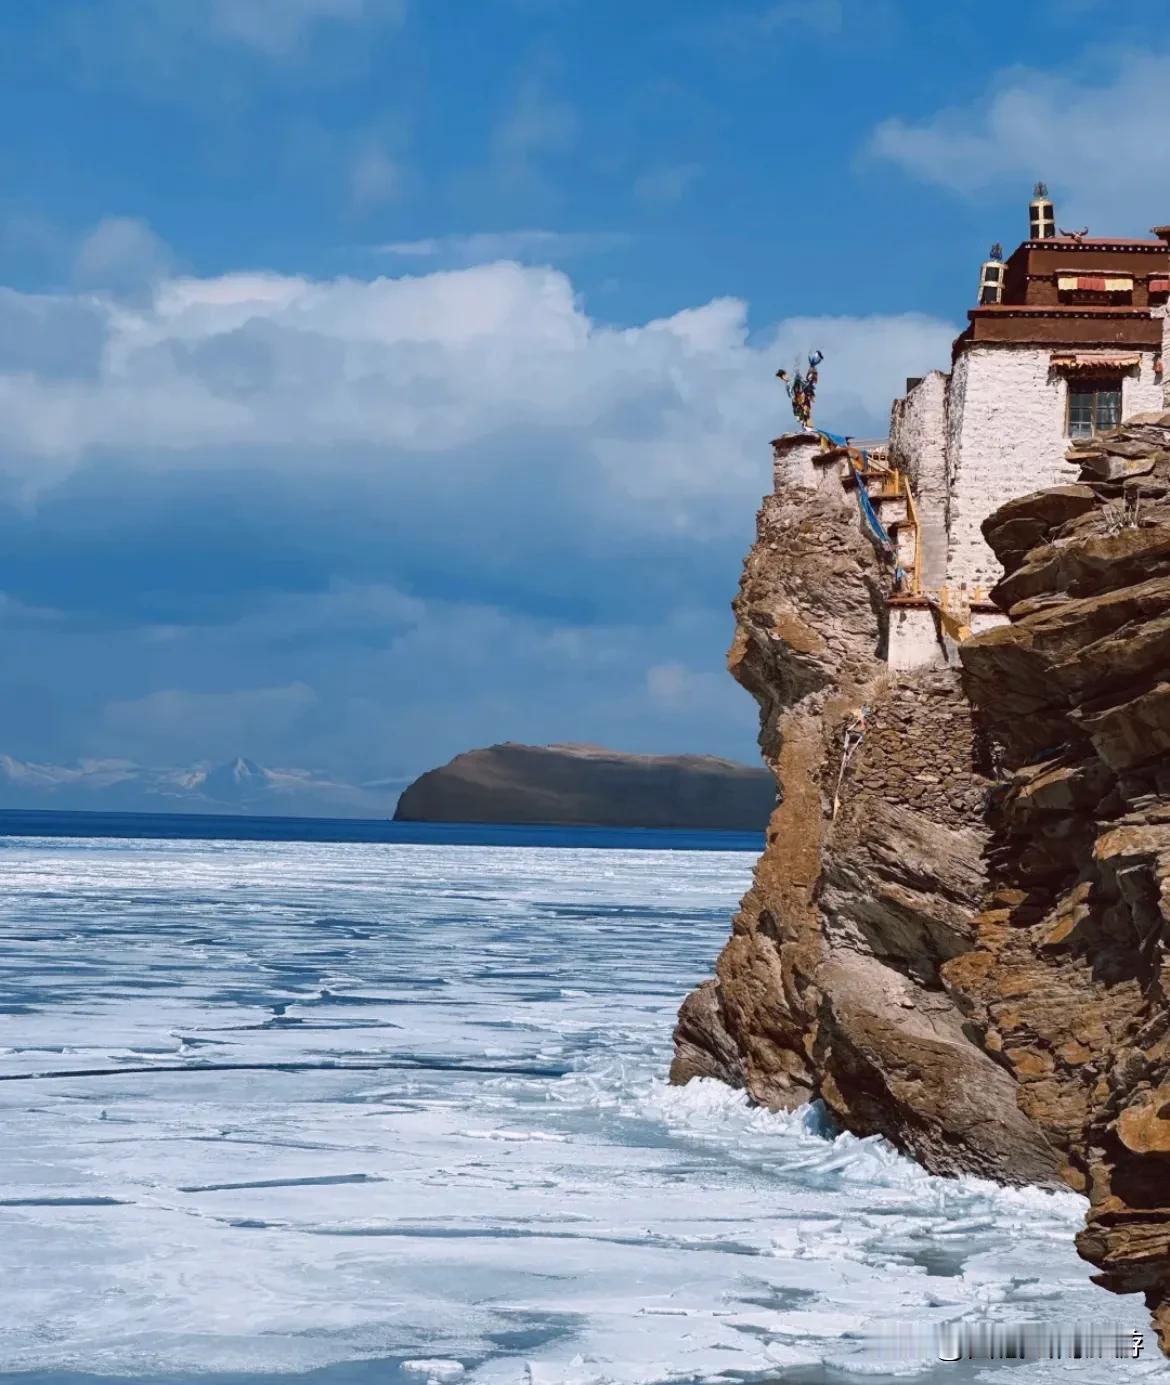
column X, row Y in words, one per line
column 239, row 786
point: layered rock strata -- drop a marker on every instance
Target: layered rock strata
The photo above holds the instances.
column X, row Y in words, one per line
column 1067, row 982
column 958, row 937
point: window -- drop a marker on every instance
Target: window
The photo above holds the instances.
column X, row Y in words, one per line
column 1094, row 406
column 991, row 280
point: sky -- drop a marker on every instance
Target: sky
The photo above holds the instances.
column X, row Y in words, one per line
column 381, row 378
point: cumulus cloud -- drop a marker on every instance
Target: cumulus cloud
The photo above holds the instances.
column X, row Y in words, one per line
column 361, row 524
column 1093, row 132
column 441, row 363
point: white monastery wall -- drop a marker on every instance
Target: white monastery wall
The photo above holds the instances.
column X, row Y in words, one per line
column 917, row 640
column 1007, row 437
column 956, row 403
column 1143, row 392
column 994, row 429
column 918, row 432
column 1009, row 440
column 914, row 640
column 986, row 620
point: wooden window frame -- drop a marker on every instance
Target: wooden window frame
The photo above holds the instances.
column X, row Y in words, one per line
column 1094, row 386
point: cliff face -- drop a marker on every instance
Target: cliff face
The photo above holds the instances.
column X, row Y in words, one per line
column 830, row 985
column 1069, row 977
column 970, row 956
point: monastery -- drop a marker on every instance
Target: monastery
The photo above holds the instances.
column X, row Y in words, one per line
column 1066, row 340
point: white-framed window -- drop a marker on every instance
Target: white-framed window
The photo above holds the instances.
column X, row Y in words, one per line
column 991, row 283
column 1094, row 406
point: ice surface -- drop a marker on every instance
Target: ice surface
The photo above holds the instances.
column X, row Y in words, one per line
column 285, row 1108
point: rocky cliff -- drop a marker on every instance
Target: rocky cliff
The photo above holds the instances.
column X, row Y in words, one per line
column 956, row 936
column 584, row 784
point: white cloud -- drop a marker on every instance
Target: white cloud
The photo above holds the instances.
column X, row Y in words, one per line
column 1094, row 133
column 542, row 246
column 436, row 363
column 365, row 523
column 866, row 362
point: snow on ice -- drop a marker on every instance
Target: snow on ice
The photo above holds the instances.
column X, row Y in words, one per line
column 277, row 1108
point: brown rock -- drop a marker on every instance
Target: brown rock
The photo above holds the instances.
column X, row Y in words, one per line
column 976, row 968
column 830, row 985
column 1112, row 467
column 1144, row 1125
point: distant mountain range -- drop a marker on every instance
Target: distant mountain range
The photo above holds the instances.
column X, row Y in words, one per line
column 239, row 786
column 499, row 783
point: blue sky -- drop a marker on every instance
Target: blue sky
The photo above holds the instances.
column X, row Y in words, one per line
column 383, row 377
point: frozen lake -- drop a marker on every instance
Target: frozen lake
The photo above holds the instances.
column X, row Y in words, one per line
column 379, row 1113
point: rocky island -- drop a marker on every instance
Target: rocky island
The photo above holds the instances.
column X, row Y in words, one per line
column 583, row 785
column 957, row 936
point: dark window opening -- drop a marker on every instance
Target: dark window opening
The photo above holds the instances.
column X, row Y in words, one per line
column 1094, row 406
column 1042, row 225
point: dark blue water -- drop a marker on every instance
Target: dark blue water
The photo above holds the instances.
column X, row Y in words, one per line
column 224, row 827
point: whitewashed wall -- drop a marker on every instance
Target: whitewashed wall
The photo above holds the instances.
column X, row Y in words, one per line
column 918, row 442
column 914, row 639
column 1007, row 438
column 1166, row 357
column 1144, row 391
